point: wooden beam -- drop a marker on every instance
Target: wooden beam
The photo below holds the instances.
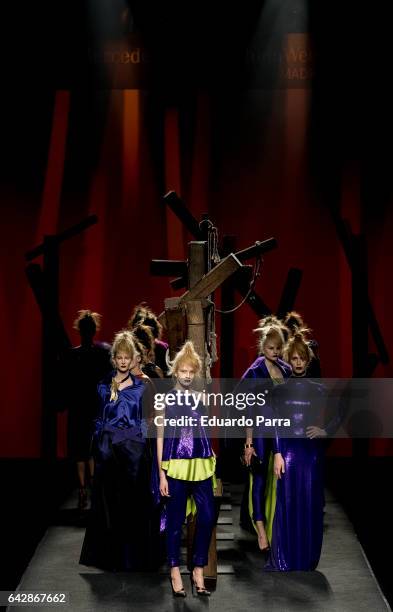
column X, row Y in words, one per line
column 345, row 236
column 181, row 211
column 50, row 303
column 289, row 293
column 68, row 233
column 242, row 284
column 213, row 279
column 35, row 277
column 178, row 283
column 175, row 325
column 196, row 328
column 168, row 267
column 257, row 249
column 196, row 262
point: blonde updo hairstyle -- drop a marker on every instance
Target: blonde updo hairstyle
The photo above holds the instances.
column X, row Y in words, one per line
column 140, row 350
column 123, row 342
column 187, row 354
column 145, row 335
column 269, row 332
column 294, row 323
column 273, row 320
column 87, row 317
column 298, row 344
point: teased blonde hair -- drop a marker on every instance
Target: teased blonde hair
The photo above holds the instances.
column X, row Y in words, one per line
column 294, row 322
column 140, row 350
column 123, row 341
column 269, row 332
column 145, row 335
column 86, row 314
column 273, row 320
column 143, row 315
column 186, row 354
column 269, row 320
column 298, row 344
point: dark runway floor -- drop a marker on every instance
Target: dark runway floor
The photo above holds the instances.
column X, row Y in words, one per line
column 344, row 581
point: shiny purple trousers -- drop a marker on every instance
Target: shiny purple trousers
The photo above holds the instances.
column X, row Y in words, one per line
column 202, row 492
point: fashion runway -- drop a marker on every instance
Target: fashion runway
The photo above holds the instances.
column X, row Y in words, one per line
column 343, row 582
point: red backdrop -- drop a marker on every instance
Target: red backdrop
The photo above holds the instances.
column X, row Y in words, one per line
column 262, row 162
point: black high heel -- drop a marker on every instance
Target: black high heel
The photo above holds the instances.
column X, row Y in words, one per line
column 200, row 591
column 180, row 593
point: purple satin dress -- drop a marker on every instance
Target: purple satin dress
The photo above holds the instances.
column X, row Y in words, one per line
column 298, row 520
column 118, row 535
column 257, row 378
column 188, row 442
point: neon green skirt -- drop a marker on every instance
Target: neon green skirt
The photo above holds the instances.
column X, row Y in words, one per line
column 193, row 470
column 270, row 499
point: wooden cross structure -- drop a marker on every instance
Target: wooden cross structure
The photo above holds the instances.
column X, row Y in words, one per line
column 191, row 315
column 205, row 271
column 44, row 281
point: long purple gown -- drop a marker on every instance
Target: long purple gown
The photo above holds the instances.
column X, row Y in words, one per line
column 298, row 520
column 118, row 533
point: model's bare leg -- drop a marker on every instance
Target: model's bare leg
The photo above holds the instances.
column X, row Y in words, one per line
column 176, row 579
column 81, row 469
column 198, row 581
column 263, row 542
column 91, row 468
